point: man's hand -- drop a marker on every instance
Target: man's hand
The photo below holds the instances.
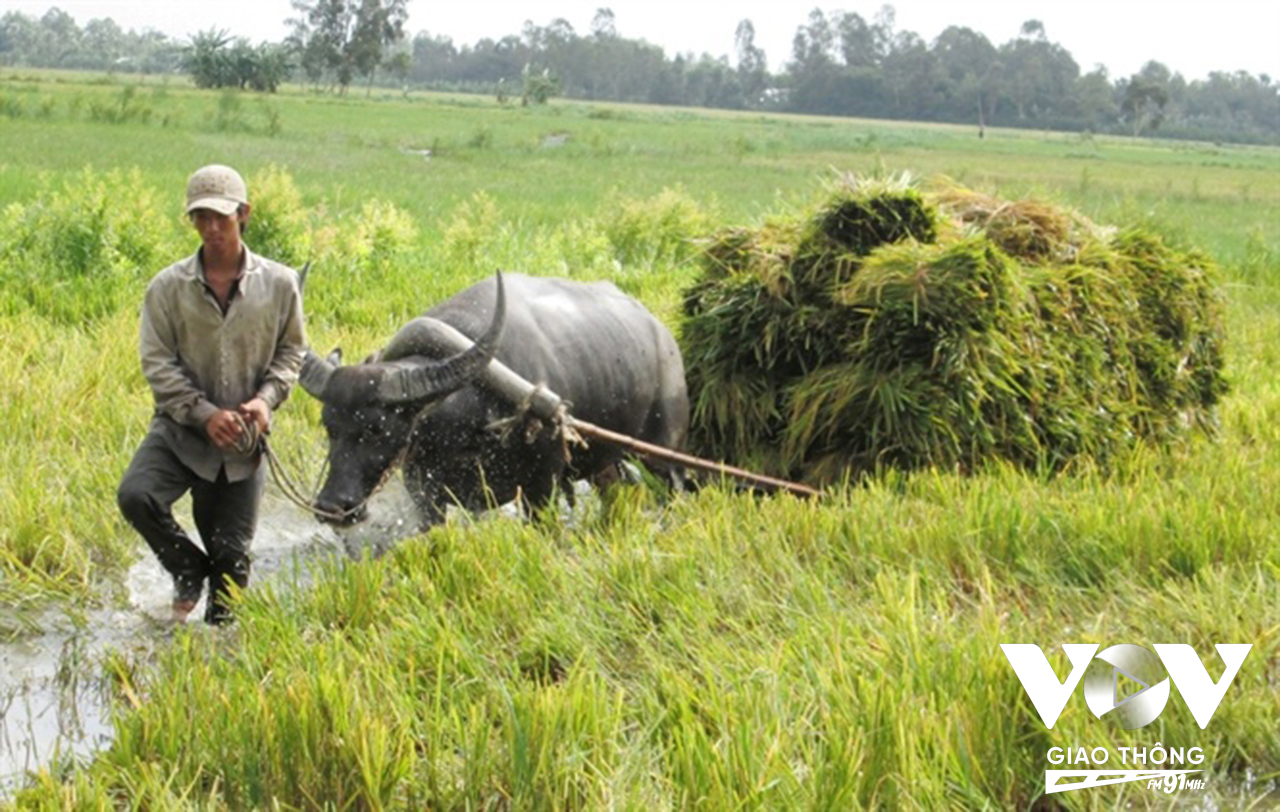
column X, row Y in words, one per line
column 224, row 429
column 257, row 411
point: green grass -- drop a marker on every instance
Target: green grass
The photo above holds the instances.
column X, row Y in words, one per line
column 718, row 651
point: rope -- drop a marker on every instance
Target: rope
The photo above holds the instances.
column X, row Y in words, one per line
column 561, row 420
column 246, row 441
column 250, row 440
column 568, row 429
column 292, row 492
column 295, row 495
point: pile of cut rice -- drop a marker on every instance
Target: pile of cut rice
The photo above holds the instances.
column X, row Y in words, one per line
column 891, row 327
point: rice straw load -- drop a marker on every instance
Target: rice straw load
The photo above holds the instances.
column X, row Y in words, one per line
column 887, row 327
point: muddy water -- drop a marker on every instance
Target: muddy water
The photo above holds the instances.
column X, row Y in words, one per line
column 53, row 704
column 54, row 707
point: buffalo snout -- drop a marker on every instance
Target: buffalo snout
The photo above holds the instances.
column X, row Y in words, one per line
column 330, row 512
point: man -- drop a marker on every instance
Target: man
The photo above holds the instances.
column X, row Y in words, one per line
column 222, row 340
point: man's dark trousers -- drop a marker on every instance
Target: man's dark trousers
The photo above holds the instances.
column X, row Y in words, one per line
column 225, row 513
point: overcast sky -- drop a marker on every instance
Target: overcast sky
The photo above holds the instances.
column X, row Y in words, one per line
column 1192, row 37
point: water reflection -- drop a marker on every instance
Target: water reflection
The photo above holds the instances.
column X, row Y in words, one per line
column 54, row 703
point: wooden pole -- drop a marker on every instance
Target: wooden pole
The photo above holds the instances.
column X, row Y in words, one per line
column 644, row 449
column 429, row 336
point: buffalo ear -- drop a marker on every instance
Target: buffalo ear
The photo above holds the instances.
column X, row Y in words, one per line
column 335, row 357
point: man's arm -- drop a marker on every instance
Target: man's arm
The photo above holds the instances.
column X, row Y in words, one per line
column 175, row 394
column 282, row 372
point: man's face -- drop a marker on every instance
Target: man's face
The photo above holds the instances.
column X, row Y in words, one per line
column 219, row 232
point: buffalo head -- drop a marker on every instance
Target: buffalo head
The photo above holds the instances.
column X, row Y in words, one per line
column 370, row 410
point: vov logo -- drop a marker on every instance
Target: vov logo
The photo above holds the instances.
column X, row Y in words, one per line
column 1110, row 679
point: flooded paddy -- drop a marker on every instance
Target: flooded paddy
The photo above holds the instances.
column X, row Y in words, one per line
column 55, row 698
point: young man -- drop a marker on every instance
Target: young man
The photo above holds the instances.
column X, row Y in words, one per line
column 222, row 340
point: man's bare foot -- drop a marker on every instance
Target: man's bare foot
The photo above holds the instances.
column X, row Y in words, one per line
column 187, row 589
column 182, row 608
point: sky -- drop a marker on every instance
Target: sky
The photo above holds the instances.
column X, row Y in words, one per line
column 1191, row 37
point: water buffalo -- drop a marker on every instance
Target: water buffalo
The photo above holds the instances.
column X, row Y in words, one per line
column 589, row 343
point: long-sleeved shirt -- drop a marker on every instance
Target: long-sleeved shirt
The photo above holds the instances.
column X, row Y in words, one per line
column 199, row 358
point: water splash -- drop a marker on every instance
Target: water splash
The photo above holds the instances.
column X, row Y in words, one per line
column 55, row 705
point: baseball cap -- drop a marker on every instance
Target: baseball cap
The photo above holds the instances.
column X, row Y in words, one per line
column 216, row 187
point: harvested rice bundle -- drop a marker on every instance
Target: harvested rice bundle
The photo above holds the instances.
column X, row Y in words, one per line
column 885, row 336
column 764, row 254
column 856, row 217
column 741, row 344
column 764, row 312
column 1181, row 351
column 934, row 374
column 1032, row 231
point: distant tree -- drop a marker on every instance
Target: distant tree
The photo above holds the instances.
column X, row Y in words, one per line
column 1033, row 29
column 319, row 36
column 858, row 42
column 883, row 32
column 400, row 64
column 379, row 26
column 539, row 86
column 20, row 36
column 712, row 82
column 557, row 48
column 344, row 39
column 840, row 63
column 312, row 57
column 598, row 58
column 150, row 51
column 969, row 65
column 604, row 25
column 102, row 44
column 1144, row 98
column 268, row 66
column 814, row 72
column 812, row 48
column 911, row 76
column 61, row 40
column 667, row 85
column 1095, row 100
column 753, row 71
column 1039, row 75
column 435, row 58
column 214, row 59
column 1244, row 102
column 208, row 60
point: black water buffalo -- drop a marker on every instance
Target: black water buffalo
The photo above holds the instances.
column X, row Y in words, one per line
column 597, row 348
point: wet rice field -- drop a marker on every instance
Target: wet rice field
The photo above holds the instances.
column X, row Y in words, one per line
column 55, row 701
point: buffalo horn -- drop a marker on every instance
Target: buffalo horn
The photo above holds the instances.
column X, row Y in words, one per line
column 315, row 374
column 437, row 379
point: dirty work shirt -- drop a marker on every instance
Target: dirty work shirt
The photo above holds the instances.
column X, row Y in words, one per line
column 199, row 359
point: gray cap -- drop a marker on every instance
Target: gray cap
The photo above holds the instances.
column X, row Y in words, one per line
column 216, row 187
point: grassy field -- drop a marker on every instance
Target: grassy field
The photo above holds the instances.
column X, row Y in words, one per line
column 715, row 651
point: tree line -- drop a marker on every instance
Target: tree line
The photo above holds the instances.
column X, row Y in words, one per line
column 840, row 64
